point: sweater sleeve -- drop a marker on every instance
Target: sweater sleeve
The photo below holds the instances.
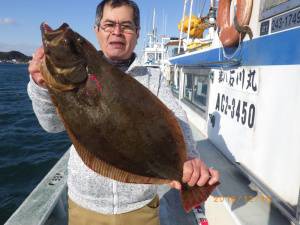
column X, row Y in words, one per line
column 43, row 108
column 166, row 96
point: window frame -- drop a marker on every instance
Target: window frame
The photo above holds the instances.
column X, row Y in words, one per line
column 281, row 8
column 204, row 74
column 174, row 72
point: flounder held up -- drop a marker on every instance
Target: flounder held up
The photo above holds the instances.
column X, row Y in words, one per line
column 118, row 127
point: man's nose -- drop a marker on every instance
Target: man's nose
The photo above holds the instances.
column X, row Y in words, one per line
column 117, row 29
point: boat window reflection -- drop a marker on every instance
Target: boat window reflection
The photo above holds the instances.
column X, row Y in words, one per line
column 272, row 3
column 271, row 8
column 175, row 82
column 195, row 90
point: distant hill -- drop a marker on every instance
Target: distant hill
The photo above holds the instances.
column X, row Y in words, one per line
column 14, row 56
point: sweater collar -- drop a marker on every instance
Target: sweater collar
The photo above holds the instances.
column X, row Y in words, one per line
column 121, row 64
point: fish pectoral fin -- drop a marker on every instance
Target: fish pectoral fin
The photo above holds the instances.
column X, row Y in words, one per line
column 194, row 196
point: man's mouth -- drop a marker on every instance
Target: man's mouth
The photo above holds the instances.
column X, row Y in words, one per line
column 117, row 44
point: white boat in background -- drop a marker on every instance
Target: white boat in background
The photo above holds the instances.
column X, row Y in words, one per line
column 245, row 97
column 154, row 49
column 171, row 47
column 153, row 52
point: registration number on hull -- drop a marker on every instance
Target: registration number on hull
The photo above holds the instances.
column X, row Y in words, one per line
column 286, row 21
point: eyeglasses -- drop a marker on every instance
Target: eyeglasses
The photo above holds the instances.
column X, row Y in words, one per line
column 125, row 27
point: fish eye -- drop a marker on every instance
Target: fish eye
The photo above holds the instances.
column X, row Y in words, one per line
column 79, row 40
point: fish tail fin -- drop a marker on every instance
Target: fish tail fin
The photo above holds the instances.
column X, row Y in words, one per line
column 193, row 196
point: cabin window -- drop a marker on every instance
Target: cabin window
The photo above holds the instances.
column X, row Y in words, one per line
column 272, row 3
column 188, row 87
column 174, row 51
column 175, row 83
column 200, row 91
column 270, row 8
column 158, row 56
column 196, row 90
column 151, row 56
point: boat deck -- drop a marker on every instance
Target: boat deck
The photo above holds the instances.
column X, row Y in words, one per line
column 235, row 201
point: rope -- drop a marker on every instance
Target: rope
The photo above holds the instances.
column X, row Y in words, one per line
column 238, row 48
column 235, row 52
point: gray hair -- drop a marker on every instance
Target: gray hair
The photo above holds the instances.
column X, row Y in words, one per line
column 115, row 4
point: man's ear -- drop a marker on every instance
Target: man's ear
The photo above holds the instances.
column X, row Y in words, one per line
column 96, row 28
column 138, row 33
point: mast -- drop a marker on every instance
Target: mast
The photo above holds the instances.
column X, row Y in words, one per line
column 189, row 26
column 190, row 20
column 181, row 28
column 153, row 27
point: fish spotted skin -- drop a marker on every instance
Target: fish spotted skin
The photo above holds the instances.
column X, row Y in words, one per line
column 118, row 127
column 110, row 114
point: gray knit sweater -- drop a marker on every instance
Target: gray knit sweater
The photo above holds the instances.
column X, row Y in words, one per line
column 89, row 189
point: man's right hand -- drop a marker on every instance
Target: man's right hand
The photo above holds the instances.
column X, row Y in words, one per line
column 34, row 67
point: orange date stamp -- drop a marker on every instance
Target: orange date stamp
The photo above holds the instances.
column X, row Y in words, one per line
column 244, row 198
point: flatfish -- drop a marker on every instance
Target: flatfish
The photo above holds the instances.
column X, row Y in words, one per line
column 118, row 127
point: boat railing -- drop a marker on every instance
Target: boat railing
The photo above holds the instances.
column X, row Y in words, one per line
column 46, row 204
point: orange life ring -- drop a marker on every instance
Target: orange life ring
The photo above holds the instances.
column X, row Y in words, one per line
column 228, row 33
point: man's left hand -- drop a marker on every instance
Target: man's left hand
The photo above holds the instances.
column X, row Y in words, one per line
column 195, row 172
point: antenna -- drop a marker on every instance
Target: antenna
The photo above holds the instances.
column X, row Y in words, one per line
column 153, row 27
column 166, row 20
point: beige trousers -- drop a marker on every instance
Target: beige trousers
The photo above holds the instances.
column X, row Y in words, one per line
column 148, row 215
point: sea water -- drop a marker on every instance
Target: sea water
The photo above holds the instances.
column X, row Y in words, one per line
column 27, row 152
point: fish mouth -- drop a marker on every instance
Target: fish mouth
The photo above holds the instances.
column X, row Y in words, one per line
column 48, row 33
column 64, row 59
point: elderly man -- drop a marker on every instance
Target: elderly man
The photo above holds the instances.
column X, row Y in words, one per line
column 94, row 199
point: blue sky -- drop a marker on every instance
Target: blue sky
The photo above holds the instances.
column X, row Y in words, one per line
column 20, row 20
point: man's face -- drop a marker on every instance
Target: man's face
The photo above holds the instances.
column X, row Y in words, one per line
column 117, row 44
